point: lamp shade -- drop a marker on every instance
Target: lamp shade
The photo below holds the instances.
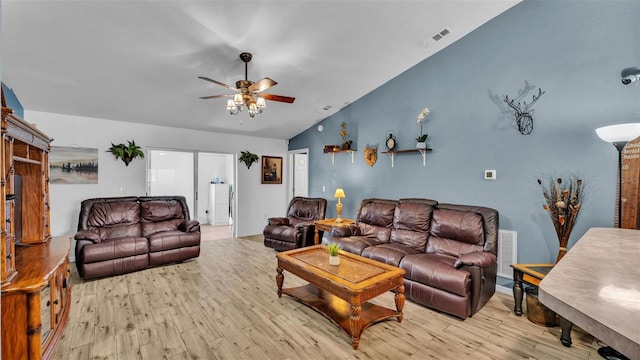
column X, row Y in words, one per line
column 339, row 193
column 618, row 133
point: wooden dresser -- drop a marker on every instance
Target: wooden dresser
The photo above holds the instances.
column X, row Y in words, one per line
column 36, row 291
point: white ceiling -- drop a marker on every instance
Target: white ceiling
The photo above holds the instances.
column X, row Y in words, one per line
column 139, row 61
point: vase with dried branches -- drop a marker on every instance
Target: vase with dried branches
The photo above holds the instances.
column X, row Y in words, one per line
column 563, row 200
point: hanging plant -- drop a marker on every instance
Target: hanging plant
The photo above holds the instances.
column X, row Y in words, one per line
column 248, row 158
column 126, row 153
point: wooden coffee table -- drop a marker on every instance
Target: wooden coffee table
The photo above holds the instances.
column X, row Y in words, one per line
column 341, row 292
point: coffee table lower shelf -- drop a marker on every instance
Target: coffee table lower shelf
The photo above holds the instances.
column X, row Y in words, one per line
column 340, row 311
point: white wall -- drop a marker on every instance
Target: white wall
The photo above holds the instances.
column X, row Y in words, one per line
column 255, row 202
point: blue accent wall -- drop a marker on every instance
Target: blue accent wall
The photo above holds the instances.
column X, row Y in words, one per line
column 574, row 50
column 12, row 101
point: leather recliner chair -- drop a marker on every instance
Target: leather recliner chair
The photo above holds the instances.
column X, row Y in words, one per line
column 297, row 229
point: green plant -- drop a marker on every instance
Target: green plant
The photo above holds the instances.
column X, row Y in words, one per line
column 422, row 138
column 126, row 152
column 333, row 249
column 248, row 158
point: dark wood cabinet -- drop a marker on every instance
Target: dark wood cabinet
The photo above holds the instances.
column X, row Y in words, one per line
column 36, row 291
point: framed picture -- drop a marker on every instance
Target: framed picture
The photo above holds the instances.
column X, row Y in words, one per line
column 271, row 170
column 73, row 165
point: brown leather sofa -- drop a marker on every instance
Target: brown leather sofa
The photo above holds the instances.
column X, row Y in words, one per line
column 297, row 229
column 124, row 234
column 448, row 251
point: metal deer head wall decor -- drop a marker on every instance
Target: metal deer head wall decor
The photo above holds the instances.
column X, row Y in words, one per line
column 523, row 111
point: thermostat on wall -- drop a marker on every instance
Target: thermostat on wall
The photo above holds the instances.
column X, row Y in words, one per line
column 489, row 174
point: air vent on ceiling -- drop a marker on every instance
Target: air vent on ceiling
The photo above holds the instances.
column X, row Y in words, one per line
column 327, row 107
column 441, row 34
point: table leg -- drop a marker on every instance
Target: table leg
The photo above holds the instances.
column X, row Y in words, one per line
column 565, row 336
column 316, row 236
column 517, row 292
column 400, row 301
column 279, row 280
column 355, row 324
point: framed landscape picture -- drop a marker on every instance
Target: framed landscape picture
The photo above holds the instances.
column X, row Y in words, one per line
column 73, row 165
column 271, row 170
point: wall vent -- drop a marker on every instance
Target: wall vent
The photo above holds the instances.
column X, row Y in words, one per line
column 507, row 252
column 441, row 34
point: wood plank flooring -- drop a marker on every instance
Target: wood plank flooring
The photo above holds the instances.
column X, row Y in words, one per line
column 223, row 305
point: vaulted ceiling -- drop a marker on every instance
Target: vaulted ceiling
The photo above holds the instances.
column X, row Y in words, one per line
column 139, row 61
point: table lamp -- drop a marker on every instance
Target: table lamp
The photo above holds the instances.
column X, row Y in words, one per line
column 339, row 195
column 619, row 135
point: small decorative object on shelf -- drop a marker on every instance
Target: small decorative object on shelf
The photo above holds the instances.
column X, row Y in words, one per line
column 422, row 139
column 248, row 158
column 334, row 250
column 563, row 202
column 346, row 143
column 390, row 143
column 126, row 153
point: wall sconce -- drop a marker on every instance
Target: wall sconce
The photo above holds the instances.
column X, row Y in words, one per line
column 339, row 195
column 619, row 135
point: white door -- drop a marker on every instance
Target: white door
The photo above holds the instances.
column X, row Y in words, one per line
column 300, row 167
column 172, row 173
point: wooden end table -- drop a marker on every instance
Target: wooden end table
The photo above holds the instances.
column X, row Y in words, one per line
column 340, row 292
column 326, row 225
column 532, row 274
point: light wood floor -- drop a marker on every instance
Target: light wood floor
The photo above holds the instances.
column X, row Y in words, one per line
column 224, row 305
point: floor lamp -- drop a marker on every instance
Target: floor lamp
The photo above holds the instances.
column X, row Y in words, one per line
column 619, row 135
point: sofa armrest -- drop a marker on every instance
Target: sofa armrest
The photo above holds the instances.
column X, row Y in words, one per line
column 477, row 258
column 309, row 225
column 344, row 231
column 190, row 226
column 278, row 221
column 91, row 235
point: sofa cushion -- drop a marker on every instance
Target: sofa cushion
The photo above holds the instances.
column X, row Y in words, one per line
column 375, row 218
column 455, row 232
column 168, row 240
column 411, row 222
column 160, row 215
column 115, row 248
column 436, row 271
column 282, row 233
column 114, row 213
column 353, row 244
column 391, row 253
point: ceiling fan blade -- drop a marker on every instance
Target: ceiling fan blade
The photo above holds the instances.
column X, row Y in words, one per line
column 217, row 96
column 262, row 85
column 280, row 98
column 217, row 82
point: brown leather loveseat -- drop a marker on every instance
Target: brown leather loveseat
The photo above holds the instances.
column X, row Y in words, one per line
column 124, row 234
column 448, row 251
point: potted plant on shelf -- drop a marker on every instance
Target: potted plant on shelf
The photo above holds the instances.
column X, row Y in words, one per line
column 248, row 158
column 333, row 249
column 126, row 152
column 346, row 143
column 422, row 139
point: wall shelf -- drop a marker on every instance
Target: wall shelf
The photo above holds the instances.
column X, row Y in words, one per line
column 334, row 152
column 392, row 154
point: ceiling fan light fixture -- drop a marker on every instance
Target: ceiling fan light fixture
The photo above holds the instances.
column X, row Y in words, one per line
column 261, row 103
column 238, row 100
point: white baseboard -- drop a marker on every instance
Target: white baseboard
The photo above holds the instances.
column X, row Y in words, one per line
column 504, row 290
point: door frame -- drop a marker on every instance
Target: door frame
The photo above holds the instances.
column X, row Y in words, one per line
column 291, row 170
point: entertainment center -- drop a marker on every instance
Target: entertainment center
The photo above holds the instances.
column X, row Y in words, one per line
column 35, row 274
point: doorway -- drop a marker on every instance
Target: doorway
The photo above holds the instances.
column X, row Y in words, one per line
column 195, row 175
column 299, row 173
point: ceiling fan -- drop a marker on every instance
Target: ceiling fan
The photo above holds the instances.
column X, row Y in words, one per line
column 248, row 93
